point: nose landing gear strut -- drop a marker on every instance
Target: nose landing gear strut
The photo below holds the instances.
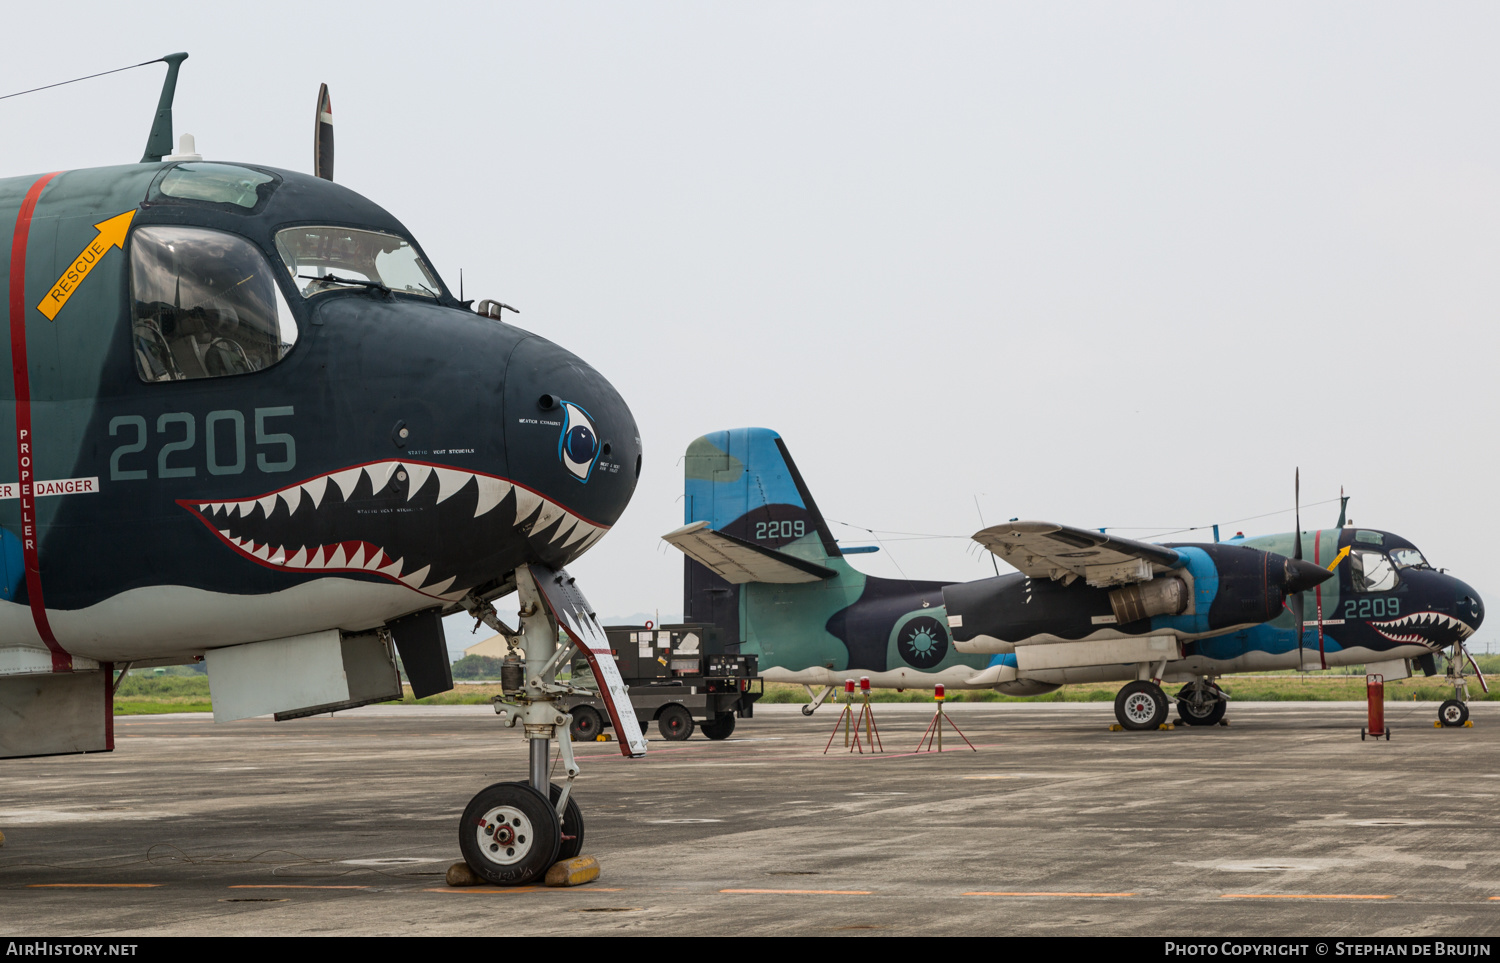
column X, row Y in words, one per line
column 1455, row 711
column 512, row 832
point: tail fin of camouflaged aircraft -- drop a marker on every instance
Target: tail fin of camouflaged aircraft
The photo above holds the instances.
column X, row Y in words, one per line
column 763, row 567
column 743, row 483
column 749, row 519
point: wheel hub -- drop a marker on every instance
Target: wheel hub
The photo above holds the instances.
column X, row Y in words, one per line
column 1140, row 707
column 504, row 835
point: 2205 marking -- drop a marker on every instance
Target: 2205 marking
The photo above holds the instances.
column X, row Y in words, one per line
column 224, row 444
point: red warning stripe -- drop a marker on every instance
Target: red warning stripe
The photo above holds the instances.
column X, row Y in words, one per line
column 61, row 661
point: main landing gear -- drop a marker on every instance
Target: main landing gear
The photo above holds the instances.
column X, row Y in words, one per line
column 1201, row 703
column 511, row 833
column 1141, row 705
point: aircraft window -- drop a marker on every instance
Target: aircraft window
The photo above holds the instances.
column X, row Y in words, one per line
column 206, row 304
column 1372, row 572
column 337, row 258
column 217, row 183
column 1408, row 558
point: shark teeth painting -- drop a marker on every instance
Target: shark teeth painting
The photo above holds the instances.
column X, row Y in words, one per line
column 1432, row 629
column 410, row 522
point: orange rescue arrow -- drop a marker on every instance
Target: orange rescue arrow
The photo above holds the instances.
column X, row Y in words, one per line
column 111, row 234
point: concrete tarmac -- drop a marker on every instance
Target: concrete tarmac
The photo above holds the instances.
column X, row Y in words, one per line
column 1284, row 823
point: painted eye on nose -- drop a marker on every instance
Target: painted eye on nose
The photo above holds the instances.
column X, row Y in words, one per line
column 580, row 444
column 578, row 447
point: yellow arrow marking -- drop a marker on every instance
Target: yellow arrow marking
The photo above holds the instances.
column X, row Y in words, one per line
column 1339, row 557
column 111, row 233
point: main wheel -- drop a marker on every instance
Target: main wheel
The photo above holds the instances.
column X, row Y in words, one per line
column 675, row 723
column 587, row 724
column 1193, row 715
column 509, row 834
column 1453, row 713
column 721, row 727
column 1141, row 705
column 1199, row 712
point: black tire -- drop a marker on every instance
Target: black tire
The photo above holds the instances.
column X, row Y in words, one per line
column 675, row 723
column 531, row 834
column 1193, row 714
column 572, row 826
column 1453, row 713
column 808, row 710
column 721, row 727
column 587, row 724
column 1141, row 706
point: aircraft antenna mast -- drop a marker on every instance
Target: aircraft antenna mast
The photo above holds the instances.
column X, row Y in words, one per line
column 159, row 143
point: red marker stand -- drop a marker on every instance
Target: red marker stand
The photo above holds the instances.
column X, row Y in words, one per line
column 851, row 724
column 1375, row 693
column 934, row 734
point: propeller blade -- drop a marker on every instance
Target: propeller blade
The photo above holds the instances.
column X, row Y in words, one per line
column 323, row 136
column 1294, row 602
column 1297, row 499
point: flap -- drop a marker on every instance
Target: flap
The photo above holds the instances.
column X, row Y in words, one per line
column 1048, row 550
column 738, row 561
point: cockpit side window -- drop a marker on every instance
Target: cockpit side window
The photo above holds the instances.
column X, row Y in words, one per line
column 339, row 258
column 205, row 304
column 1371, row 571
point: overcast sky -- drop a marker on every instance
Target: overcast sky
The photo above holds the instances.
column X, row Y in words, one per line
column 1104, row 264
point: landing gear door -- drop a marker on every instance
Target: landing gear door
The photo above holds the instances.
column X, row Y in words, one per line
column 572, row 612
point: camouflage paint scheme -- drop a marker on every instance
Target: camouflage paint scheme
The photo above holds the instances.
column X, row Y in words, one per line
column 172, row 553
column 743, row 482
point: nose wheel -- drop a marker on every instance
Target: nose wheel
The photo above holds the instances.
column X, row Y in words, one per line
column 509, row 834
column 1452, row 714
column 512, row 833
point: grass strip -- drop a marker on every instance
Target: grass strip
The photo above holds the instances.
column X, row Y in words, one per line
column 149, row 695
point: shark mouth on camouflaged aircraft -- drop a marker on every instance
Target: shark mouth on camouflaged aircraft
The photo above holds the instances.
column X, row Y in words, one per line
column 1432, row 629
column 428, row 527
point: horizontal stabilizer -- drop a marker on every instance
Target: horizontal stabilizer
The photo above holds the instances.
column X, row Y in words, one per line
column 738, row 561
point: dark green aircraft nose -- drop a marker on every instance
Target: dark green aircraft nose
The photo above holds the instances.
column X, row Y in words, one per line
column 1301, row 575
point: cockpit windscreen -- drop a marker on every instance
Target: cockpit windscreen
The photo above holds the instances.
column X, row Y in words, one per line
column 337, row 258
column 1408, row 558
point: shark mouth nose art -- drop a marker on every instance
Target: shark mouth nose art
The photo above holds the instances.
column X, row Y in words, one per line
column 1432, row 629
column 427, row 527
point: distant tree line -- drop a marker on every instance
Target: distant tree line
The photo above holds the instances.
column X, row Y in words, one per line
column 477, row 667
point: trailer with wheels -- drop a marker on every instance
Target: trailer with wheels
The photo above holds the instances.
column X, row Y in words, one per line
column 679, row 678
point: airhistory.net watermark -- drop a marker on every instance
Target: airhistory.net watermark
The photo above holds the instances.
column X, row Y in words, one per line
column 67, row 948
